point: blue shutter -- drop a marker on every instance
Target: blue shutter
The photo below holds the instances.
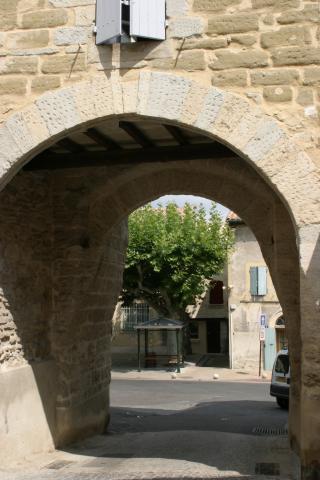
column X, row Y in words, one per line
column 147, row 19
column 254, row 280
column 270, row 350
column 108, row 20
column 262, row 280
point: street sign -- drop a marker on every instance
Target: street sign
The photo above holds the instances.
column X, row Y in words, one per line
column 263, row 320
column 262, row 333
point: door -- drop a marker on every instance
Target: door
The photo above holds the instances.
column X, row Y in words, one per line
column 213, row 335
column 270, row 350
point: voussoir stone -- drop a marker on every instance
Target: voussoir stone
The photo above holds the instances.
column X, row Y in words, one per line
column 58, row 110
column 162, row 95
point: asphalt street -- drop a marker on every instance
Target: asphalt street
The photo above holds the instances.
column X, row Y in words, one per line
column 145, row 406
column 174, row 430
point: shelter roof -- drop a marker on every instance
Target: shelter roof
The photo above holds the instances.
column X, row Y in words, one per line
column 161, row 323
column 233, row 219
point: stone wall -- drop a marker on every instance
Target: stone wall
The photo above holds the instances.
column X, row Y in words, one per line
column 267, row 51
column 59, row 285
column 25, row 270
column 87, row 277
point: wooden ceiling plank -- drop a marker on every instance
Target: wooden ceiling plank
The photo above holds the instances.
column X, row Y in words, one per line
column 177, row 134
column 70, row 145
column 48, row 161
column 136, row 134
column 102, row 139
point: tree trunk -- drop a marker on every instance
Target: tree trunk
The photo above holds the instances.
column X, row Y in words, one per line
column 187, row 347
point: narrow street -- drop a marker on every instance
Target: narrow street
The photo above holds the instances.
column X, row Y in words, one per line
column 177, row 430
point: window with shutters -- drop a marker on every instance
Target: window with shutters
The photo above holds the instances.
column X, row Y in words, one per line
column 125, row 21
column 216, row 293
column 258, row 281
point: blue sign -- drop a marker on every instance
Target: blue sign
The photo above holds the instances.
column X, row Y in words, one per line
column 263, row 320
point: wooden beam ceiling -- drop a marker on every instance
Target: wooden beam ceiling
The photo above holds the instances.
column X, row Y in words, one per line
column 102, row 139
column 70, row 145
column 177, row 134
column 52, row 161
column 136, row 134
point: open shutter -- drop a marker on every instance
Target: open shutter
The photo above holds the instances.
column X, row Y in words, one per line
column 262, row 280
column 270, row 350
column 147, row 19
column 108, row 20
column 254, row 281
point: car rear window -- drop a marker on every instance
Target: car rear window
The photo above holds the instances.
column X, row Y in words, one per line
column 282, row 364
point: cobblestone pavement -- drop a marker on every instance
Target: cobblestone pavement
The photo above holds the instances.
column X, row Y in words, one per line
column 210, row 440
column 160, row 455
column 150, row 476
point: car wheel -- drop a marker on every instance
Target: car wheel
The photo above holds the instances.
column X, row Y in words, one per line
column 283, row 403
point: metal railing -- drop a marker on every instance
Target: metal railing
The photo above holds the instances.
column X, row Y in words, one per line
column 133, row 315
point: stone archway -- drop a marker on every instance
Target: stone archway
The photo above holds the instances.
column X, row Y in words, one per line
column 272, row 171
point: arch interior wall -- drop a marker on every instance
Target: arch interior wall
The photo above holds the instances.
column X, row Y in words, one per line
column 72, row 237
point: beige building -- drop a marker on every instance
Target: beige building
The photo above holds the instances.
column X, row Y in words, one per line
column 226, row 107
column 226, row 321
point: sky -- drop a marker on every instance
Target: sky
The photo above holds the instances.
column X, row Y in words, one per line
column 180, row 200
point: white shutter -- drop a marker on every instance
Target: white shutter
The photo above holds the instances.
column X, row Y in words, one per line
column 108, row 20
column 147, row 19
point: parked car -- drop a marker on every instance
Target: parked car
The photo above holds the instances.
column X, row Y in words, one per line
column 280, row 381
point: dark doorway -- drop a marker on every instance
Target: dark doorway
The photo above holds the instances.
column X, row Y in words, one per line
column 213, row 335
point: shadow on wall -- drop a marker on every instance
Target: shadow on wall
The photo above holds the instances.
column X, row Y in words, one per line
column 134, row 55
column 29, row 377
column 310, row 359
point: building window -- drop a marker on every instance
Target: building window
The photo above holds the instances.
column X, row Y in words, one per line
column 134, row 315
column 258, row 281
column 216, row 293
column 194, row 330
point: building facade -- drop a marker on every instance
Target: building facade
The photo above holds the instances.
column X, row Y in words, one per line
column 226, row 322
column 238, row 80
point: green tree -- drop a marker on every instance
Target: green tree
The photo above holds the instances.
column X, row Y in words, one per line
column 172, row 255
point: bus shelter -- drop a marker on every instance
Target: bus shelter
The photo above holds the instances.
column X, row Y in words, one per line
column 160, row 324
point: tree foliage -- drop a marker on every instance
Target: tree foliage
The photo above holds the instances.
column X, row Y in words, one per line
column 172, row 254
